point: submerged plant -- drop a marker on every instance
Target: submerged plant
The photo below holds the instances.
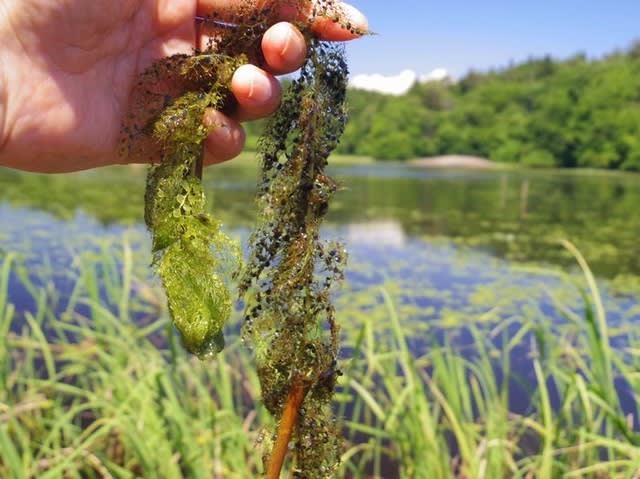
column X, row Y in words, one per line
column 190, row 253
column 287, row 281
column 289, row 316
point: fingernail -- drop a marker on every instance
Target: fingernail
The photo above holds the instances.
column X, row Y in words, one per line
column 354, row 16
column 259, row 87
column 290, row 39
column 224, row 141
column 220, row 133
column 287, row 37
column 219, row 130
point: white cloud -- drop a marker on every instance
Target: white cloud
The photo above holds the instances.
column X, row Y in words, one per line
column 395, row 84
column 438, row 74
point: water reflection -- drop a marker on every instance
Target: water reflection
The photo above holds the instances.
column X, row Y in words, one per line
column 518, row 216
column 387, row 213
column 451, row 248
column 378, row 233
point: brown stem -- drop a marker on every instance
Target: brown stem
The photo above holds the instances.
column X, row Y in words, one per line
column 196, row 168
column 296, row 396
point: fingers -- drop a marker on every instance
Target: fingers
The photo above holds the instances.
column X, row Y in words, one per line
column 257, row 93
column 283, row 48
column 226, row 139
column 352, row 23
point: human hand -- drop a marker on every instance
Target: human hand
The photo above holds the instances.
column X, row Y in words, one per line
column 68, row 68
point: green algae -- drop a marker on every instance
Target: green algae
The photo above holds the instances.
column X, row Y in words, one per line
column 191, row 254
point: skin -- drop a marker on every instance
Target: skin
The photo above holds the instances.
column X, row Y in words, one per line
column 67, row 68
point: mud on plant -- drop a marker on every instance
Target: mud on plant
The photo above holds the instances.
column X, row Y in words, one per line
column 287, row 280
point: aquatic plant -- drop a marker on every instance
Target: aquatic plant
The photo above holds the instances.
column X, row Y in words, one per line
column 290, row 272
column 289, row 317
column 190, row 252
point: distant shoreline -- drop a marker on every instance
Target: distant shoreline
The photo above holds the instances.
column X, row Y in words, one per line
column 455, row 161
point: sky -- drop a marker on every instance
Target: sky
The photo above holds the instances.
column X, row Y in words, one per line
column 459, row 35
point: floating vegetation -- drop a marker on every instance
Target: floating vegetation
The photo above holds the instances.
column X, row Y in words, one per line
column 290, row 273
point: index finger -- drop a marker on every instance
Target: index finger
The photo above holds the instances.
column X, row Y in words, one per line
column 337, row 22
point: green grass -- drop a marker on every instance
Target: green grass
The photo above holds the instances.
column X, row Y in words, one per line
column 92, row 396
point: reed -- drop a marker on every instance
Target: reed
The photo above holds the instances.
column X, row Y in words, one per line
column 96, row 386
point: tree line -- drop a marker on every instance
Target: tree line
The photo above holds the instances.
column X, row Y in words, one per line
column 543, row 112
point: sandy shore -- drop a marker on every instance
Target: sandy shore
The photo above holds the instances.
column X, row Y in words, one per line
column 454, row 161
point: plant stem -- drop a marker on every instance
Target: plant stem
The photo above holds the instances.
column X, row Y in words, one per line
column 196, row 169
column 297, row 393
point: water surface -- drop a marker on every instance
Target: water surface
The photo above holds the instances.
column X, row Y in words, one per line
column 451, row 247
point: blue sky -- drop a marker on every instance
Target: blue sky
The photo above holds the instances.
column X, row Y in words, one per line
column 462, row 34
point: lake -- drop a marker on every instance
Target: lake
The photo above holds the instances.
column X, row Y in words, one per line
column 468, row 262
column 451, row 247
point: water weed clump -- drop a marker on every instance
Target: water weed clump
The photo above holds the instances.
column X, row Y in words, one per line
column 289, row 316
column 290, row 272
column 190, row 252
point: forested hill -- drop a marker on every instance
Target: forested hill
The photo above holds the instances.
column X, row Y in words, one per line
column 572, row 113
